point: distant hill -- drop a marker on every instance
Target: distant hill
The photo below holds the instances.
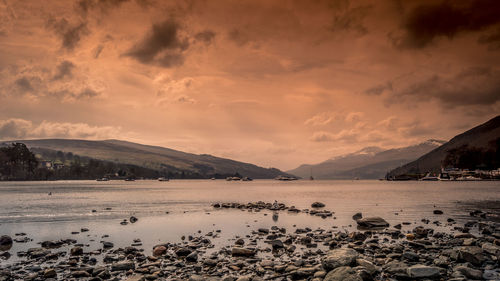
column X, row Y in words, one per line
column 481, row 137
column 152, row 157
column 367, row 163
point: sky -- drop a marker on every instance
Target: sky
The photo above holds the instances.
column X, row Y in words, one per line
column 272, row 82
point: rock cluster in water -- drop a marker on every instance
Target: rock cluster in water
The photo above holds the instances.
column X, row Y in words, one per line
column 299, row 254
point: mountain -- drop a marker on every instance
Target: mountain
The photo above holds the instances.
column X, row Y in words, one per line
column 367, row 163
column 151, row 157
column 482, row 137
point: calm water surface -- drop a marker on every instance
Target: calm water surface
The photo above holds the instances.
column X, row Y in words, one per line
column 27, row 207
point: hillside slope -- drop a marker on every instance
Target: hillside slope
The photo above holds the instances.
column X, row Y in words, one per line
column 479, row 137
column 153, row 157
column 368, row 163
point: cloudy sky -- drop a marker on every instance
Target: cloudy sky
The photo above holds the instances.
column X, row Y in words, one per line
column 276, row 83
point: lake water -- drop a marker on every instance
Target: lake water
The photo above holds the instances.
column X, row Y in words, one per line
column 27, row 207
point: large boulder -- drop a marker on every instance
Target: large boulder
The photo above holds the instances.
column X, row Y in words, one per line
column 340, row 257
column 423, row 271
column 343, row 273
column 372, row 222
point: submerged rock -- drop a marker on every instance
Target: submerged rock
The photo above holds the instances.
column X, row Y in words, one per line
column 317, row 205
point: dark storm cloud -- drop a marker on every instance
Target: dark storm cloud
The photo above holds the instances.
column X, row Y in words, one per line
column 206, row 36
column 426, row 22
column 70, row 34
column 491, row 39
column 472, row 86
column 64, row 70
column 162, row 46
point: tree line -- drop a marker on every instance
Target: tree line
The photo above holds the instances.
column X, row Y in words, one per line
column 18, row 162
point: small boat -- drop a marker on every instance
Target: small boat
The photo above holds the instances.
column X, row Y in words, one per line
column 163, row 179
column 247, row 179
column 469, row 178
column 285, row 178
column 428, row 177
column 233, row 178
column 103, row 179
column 129, row 179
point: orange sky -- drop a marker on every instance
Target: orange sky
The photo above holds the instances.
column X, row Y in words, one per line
column 275, row 83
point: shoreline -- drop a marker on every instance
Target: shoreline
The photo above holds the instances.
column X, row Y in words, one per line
column 470, row 250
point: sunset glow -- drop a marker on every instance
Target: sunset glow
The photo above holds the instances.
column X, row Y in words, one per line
column 274, row 83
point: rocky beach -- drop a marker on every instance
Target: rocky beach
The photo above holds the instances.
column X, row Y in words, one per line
column 441, row 249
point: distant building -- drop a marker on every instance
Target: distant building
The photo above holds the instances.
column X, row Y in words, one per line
column 47, row 164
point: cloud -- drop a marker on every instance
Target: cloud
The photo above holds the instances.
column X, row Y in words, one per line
column 104, row 6
column 24, row 84
column 472, row 86
column 19, row 128
column 492, row 39
column 346, row 135
column 354, row 116
column 206, row 36
column 426, row 22
column 69, row 34
column 416, row 128
column 162, row 46
column 64, row 70
column 350, row 19
column 379, row 89
column 238, row 37
column 321, row 119
column 14, row 128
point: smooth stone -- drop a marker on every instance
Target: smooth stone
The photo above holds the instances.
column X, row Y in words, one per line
column 339, row 257
column 423, row 271
column 183, row 252
column 317, row 205
column 372, row 222
column 80, row 274
column 107, row 244
column 159, row 251
column 121, row 266
column 343, row 273
column 469, row 272
column 357, row 216
column 242, row 252
column 49, row 273
column 76, row 251
column 135, row 278
column 193, row 257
